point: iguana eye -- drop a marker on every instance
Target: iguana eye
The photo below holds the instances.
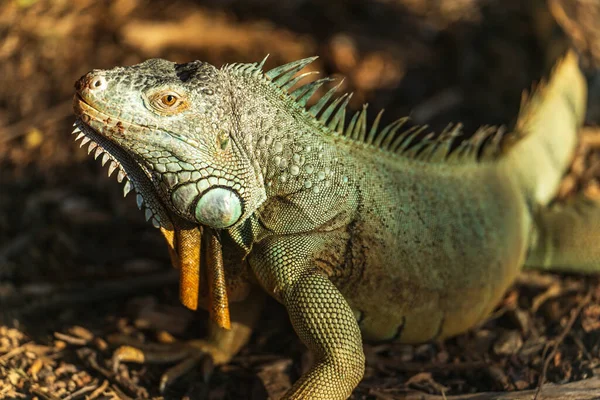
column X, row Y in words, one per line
column 167, row 102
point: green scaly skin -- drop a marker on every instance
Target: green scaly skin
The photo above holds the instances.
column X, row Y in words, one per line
column 359, row 233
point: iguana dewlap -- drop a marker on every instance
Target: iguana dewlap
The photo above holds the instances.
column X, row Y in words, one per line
column 380, row 233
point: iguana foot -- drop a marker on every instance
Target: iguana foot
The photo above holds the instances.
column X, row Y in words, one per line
column 188, row 355
column 219, row 346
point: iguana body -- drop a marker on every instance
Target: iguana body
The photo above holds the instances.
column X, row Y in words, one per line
column 353, row 229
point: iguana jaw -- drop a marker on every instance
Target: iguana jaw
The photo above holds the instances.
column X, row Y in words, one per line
column 88, row 125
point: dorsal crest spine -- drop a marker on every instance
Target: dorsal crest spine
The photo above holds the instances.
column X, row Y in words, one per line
column 398, row 137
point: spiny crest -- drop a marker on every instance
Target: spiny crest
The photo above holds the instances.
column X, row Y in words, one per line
column 531, row 100
column 398, row 137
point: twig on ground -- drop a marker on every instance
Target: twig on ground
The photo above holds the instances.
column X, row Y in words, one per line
column 98, row 391
column 81, row 391
column 556, row 342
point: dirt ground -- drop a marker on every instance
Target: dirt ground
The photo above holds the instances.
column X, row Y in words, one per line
column 81, row 272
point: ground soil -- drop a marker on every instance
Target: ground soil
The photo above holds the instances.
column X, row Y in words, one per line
column 80, row 270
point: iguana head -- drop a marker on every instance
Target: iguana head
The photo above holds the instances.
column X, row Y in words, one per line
column 173, row 133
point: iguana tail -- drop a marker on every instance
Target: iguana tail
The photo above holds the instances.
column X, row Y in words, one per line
column 564, row 236
column 545, row 135
column 567, row 237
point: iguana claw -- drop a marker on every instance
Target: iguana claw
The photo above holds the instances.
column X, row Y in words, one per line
column 187, row 355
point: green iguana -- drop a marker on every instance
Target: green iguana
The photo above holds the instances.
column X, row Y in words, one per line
column 361, row 233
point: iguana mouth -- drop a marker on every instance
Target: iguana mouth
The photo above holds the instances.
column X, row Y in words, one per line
column 134, row 176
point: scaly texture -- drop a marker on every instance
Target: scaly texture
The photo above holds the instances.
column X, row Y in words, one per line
column 361, row 232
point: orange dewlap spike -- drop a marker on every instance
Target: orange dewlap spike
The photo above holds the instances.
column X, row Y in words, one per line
column 170, row 238
column 188, row 248
column 218, row 305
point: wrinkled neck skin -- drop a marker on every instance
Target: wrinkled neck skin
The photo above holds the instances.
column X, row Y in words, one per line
column 307, row 183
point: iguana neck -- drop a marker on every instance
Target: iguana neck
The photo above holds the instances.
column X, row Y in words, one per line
column 291, row 152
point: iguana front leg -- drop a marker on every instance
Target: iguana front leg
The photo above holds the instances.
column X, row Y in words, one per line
column 319, row 314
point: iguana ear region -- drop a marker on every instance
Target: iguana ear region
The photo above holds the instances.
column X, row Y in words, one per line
column 219, row 208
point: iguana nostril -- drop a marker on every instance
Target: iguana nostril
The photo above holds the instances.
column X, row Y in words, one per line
column 97, row 83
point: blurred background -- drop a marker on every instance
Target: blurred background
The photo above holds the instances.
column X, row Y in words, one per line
column 79, row 267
